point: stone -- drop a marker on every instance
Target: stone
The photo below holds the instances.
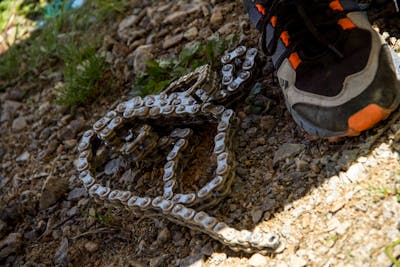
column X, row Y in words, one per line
column 242, row 172
column 3, row 229
column 158, row 261
column 15, row 93
column 23, row 157
column 53, row 189
column 267, row 123
column 11, row 244
column 355, row 172
column 171, row 41
column 61, row 256
column 301, row 165
column 19, row 124
column 216, row 17
column 91, row 246
column 163, row 236
column 228, row 28
column 73, row 211
column 114, row 166
column 217, row 258
column 30, row 235
column 257, row 213
column 338, row 205
column 178, row 16
column 76, row 194
column 44, row 108
column 196, row 260
column 191, row 34
column 258, row 260
column 9, row 109
column 287, row 151
column 71, row 130
column 251, row 132
column 296, row 261
column 127, row 23
column 70, row 143
column 342, row 228
column 139, row 58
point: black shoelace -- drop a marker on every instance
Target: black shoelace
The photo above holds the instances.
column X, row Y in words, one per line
column 303, row 21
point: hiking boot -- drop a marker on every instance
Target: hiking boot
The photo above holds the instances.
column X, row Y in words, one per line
column 338, row 76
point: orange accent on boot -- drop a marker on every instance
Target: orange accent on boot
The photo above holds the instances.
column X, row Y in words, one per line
column 346, row 24
column 366, row 118
column 336, row 5
column 285, row 38
column 261, row 9
column 295, row 60
column 273, row 21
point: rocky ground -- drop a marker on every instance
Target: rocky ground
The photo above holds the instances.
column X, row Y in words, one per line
column 334, row 204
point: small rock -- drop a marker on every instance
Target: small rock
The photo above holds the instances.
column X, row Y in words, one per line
column 158, row 261
column 355, row 172
column 114, row 166
column 172, row 41
column 30, row 235
column 398, row 223
column 242, row 172
column 301, row 165
column 91, row 246
column 175, row 17
column 207, row 250
column 9, row 110
column 44, row 108
column 10, row 245
column 73, row 211
column 71, row 130
column 338, row 205
column 251, row 132
column 258, row 260
column 3, row 229
column 193, row 261
column 342, row 228
column 267, row 123
column 16, row 94
column 191, row 34
column 296, row 261
column 217, row 258
column 257, row 214
column 216, row 17
column 163, row 236
column 286, row 151
column 228, row 28
column 70, row 143
column 76, row 194
column 61, row 255
column 139, row 58
column 127, row 23
column 23, row 157
column 53, row 189
column 19, row 124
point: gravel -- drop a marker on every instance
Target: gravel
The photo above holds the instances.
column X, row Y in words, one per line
column 332, row 203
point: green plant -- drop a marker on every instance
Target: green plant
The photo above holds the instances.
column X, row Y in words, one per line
column 389, row 253
column 68, row 37
column 83, row 71
column 160, row 73
column 106, row 218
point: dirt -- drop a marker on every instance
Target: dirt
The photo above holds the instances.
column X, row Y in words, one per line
column 334, row 204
